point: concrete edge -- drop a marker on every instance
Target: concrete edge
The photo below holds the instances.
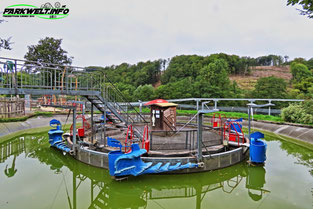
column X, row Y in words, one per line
column 299, row 135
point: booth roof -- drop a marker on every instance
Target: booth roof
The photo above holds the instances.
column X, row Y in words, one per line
column 159, row 101
column 166, row 104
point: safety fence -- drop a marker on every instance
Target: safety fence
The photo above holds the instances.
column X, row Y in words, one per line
column 12, row 107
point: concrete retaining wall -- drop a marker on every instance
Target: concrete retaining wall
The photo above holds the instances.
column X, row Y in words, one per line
column 36, row 122
column 301, row 133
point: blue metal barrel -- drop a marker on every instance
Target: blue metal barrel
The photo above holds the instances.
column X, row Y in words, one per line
column 257, row 151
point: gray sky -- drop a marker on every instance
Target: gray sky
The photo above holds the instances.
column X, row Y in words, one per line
column 107, row 32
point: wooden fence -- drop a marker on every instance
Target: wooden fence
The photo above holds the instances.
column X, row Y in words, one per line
column 10, row 108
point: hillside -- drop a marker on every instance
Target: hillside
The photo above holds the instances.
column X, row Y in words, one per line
column 248, row 82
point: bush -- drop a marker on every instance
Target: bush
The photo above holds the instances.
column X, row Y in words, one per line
column 298, row 113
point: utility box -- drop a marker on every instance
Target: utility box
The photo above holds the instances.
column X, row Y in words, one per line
column 163, row 116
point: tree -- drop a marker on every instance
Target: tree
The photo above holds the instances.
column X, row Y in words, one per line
column 299, row 113
column 213, row 80
column 307, row 6
column 5, row 43
column 144, row 93
column 270, row 87
column 299, row 72
column 48, row 50
column 216, row 73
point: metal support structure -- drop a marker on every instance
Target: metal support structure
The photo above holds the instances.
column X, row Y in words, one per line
column 74, row 191
column 249, row 121
column 92, row 124
column 197, row 101
column 140, row 106
column 15, row 76
column 215, row 104
column 250, row 110
column 74, row 130
column 199, row 137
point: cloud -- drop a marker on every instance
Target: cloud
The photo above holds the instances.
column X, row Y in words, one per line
column 115, row 31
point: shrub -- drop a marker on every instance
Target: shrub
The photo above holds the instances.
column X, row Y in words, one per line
column 298, row 113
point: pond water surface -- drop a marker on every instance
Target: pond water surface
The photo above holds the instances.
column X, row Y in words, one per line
column 33, row 175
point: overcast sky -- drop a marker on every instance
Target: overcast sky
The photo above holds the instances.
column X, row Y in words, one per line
column 107, row 32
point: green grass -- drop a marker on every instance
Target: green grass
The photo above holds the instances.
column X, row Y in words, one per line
column 227, row 114
column 30, row 132
column 24, row 118
column 237, row 115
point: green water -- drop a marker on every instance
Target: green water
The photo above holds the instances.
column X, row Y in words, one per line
column 33, row 175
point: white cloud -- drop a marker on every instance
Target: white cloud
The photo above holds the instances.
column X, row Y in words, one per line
column 114, row 31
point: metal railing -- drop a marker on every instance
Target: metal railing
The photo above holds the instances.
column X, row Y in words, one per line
column 185, row 140
column 22, row 74
column 46, row 79
column 120, row 103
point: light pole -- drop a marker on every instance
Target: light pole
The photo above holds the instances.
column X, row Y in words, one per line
column 251, row 105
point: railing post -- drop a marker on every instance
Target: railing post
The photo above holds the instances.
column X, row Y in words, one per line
column 215, row 104
column 151, row 140
column 92, row 128
column 15, row 76
column 249, row 121
column 74, row 130
column 199, row 137
column 197, row 102
column 55, row 79
column 66, row 85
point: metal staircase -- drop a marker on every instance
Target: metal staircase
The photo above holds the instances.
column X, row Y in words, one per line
column 27, row 77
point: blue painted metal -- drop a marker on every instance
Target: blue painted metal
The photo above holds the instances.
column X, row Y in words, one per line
column 55, row 136
column 114, row 143
column 236, row 124
column 125, row 164
column 257, row 148
column 102, row 116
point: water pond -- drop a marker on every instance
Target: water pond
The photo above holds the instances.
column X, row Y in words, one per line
column 33, row 175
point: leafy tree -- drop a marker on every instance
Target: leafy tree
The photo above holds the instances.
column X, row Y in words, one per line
column 270, row 60
column 309, row 64
column 184, row 66
column 5, row 43
column 127, row 90
column 307, row 6
column 144, row 93
column 216, row 73
column 48, row 50
column 299, row 72
column 174, row 90
column 304, row 88
column 213, row 80
column 270, row 87
column 299, row 113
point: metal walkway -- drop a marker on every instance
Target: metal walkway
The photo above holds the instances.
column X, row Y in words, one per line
column 22, row 77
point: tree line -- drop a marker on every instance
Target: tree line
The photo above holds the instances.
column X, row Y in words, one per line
column 186, row 76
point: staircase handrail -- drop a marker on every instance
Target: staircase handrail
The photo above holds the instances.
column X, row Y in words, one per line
column 125, row 100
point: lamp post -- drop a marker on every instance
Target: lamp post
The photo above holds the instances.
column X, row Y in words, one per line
column 251, row 105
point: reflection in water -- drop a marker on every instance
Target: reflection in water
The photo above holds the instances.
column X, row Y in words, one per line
column 9, row 172
column 15, row 148
column 136, row 192
column 255, row 182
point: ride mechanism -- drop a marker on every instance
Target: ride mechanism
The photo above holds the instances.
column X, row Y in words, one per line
column 129, row 162
column 233, row 134
column 56, row 136
column 127, row 159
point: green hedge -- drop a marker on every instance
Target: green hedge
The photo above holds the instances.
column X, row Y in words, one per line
column 299, row 113
column 24, row 118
